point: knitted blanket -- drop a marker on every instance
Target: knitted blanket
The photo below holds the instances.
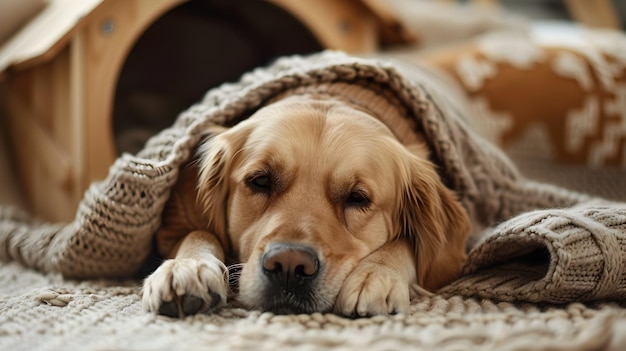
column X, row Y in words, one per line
column 542, row 243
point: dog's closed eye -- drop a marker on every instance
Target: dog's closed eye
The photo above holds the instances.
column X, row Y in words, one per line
column 260, row 183
column 357, row 199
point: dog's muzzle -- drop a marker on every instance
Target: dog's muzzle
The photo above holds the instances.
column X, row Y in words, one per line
column 290, row 272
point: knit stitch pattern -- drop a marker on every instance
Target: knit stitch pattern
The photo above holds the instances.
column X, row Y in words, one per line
column 46, row 312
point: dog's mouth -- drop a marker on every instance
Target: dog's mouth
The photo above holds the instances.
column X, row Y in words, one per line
column 290, row 302
column 283, row 301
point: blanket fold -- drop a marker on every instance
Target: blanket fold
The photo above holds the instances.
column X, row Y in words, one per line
column 553, row 255
column 549, row 244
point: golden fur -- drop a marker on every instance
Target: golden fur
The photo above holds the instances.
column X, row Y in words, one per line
column 372, row 214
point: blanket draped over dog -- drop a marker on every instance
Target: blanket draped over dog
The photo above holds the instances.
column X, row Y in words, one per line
column 543, row 243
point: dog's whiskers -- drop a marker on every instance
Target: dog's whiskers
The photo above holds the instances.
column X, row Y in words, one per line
column 234, row 273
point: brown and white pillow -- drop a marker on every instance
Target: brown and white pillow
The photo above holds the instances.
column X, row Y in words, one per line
column 558, row 93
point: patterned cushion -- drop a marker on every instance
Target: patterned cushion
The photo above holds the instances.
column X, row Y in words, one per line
column 560, row 95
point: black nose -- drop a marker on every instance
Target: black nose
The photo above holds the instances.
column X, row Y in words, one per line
column 290, row 266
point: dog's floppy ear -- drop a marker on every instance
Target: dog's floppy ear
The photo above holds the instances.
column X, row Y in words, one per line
column 434, row 221
column 215, row 158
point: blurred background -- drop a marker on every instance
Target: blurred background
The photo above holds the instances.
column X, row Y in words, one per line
column 83, row 81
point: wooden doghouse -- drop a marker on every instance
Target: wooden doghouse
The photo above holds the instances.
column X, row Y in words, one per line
column 86, row 80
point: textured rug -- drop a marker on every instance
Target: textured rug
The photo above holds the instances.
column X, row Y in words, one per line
column 547, row 250
column 46, row 312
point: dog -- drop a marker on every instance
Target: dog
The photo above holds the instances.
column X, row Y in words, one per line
column 322, row 208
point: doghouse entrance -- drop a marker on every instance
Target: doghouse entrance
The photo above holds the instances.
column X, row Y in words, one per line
column 192, row 48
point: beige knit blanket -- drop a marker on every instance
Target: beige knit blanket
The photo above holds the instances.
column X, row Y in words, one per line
column 543, row 244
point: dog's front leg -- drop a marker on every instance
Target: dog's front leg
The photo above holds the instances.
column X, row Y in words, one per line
column 380, row 283
column 195, row 280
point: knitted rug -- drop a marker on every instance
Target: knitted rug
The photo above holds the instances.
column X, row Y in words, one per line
column 546, row 250
column 46, row 312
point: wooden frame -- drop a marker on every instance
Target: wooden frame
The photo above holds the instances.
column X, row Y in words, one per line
column 60, row 109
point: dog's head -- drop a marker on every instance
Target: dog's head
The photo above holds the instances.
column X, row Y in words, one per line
column 306, row 188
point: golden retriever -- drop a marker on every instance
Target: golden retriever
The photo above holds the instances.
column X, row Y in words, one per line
column 323, row 208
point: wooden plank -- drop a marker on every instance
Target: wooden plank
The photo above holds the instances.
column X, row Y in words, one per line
column 594, row 13
column 485, row 2
column 62, row 126
column 43, row 166
column 46, row 34
column 76, row 111
column 38, row 142
column 346, row 25
column 109, row 37
column 11, row 191
column 41, row 95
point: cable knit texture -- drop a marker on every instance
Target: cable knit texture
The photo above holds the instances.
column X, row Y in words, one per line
column 542, row 243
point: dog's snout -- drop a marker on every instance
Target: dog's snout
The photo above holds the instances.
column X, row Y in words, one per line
column 290, row 264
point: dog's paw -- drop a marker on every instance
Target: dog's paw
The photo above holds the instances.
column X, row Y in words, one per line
column 182, row 287
column 373, row 289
